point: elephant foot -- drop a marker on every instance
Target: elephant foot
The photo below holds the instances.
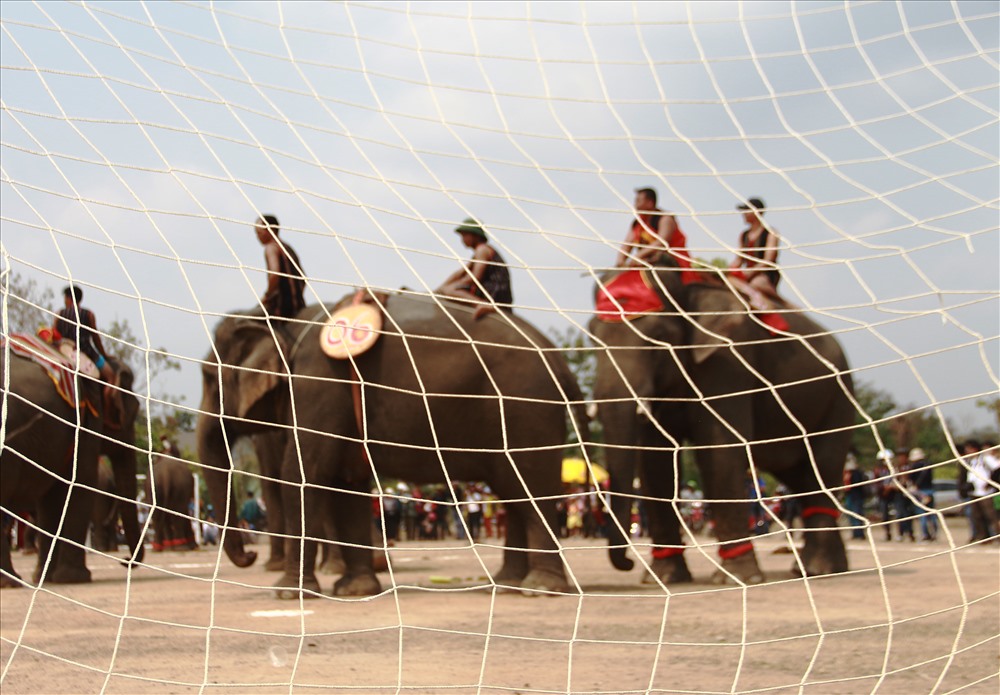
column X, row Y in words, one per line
column 672, row 570
column 539, row 582
column 819, row 558
column 13, row 581
column 289, row 587
column 68, row 575
column 357, row 585
column 739, row 570
column 509, row 578
column 275, row 564
column 513, row 570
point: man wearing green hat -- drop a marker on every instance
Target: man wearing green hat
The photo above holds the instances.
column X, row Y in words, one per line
column 485, row 279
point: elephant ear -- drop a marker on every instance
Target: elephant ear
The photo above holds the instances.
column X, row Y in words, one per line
column 261, row 369
column 712, row 331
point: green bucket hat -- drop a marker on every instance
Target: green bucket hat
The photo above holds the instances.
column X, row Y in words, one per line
column 470, row 226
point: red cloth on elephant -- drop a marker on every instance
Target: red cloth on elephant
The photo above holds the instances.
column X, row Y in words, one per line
column 631, row 292
column 56, row 366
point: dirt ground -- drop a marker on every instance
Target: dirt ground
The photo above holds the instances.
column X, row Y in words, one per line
column 909, row 618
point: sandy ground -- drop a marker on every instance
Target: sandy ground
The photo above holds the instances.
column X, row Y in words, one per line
column 907, row 619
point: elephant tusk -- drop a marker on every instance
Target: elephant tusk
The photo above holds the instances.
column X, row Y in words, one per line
column 642, row 408
column 592, row 411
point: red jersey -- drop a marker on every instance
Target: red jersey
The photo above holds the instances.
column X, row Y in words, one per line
column 642, row 233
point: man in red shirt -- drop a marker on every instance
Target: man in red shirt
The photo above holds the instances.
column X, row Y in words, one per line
column 652, row 233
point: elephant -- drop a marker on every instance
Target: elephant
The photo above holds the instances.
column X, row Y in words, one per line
column 707, row 371
column 439, row 397
column 48, row 445
column 170, row 489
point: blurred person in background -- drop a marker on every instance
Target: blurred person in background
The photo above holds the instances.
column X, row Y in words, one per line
column 979, row 482
column 885, row 490
column 922, row 478
column 903, row 502
column 855, row 493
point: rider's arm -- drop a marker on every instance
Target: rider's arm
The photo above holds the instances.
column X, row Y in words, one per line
column 272, row 256
column 665, row 230
column 90, row 321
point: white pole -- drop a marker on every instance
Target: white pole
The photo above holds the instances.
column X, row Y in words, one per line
column 197, row 508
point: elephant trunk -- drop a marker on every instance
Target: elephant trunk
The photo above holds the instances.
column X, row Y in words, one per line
column 621, row 509
column 621, row 432
column 212, row 454
column 123, row 462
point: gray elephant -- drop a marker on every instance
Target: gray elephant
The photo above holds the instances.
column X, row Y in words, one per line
column 707, row 372
column 439, row 397
column 170, row 489
column 42, row 428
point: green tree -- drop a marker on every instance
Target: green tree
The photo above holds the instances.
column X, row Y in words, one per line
column 992, row 405
column 898, row 428
column 165, row 419
column 877, row 405
column 30, row 306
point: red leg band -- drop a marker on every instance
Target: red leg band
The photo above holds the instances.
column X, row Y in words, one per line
column 812, row 511
column 664, row 553
column 728, row 552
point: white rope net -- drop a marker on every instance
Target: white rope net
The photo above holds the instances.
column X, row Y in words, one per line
column 141, row 140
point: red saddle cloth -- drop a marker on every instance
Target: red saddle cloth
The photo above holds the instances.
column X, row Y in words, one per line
column 629, row 295
column 56, row 365
column 626, row 296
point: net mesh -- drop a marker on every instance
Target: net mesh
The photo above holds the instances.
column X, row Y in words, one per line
column 141, row 140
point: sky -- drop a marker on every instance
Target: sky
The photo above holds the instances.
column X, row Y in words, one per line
column 140, row 141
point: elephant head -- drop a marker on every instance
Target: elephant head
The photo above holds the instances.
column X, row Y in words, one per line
column 240, row 393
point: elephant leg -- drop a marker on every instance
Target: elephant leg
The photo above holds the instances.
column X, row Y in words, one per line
column 532, row 560
column 270, row 448
column 159, row 531
column 546, row 571
column 658, row 479
column 175, row 534
column 183, row 534
column 299, row 576
column 331, row 560
column 823, row 551
column 9, row 579
column 515, row 558
column 352, row 518
column 276, row 561
column 68, row 564
column 723, row 461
